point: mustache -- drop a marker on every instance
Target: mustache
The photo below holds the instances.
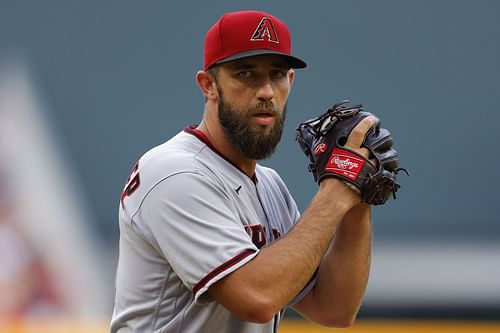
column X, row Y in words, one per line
column 267, row 107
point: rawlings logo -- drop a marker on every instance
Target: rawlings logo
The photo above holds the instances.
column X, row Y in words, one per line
column 320, row 149
column 345, row 163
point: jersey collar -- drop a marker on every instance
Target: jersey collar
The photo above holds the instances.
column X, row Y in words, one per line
column 193, row 130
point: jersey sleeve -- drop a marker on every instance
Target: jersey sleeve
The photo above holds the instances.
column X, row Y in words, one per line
column 197, row 230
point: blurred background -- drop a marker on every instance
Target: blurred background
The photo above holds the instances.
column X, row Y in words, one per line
column 86, row 87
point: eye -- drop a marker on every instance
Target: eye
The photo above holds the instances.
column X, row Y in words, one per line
column 244, row 74
column 278, row 74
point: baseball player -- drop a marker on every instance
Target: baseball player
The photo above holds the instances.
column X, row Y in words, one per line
column 211, row 241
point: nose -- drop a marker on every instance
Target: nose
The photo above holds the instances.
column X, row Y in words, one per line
column 265, row 91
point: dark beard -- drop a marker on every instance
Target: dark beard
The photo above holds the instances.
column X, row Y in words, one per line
column 250, row 140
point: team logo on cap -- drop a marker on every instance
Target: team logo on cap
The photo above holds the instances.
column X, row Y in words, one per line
column 265, row 30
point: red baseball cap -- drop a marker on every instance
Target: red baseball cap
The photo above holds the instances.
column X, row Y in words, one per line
column 244, row 34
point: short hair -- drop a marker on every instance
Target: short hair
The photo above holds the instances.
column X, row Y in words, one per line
column 214, row 72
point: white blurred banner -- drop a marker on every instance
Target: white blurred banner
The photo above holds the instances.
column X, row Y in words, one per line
column 435, row 274
column 49, row 263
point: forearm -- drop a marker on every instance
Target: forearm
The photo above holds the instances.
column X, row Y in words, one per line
column 343, row 273
column 281, row 270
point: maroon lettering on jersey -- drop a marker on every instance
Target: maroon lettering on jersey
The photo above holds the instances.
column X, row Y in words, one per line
column 257, row 233
column 133, row 182
column 276, row 234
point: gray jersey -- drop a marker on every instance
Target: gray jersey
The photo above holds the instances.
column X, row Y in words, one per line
column 188, row 217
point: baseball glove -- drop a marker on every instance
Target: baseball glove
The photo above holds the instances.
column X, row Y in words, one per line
column 323, row 138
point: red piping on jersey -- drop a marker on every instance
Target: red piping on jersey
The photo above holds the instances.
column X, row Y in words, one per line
column 219, row 269
column 191, row 129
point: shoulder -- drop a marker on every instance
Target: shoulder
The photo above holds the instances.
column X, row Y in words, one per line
column 181, row 155
column 181, row 146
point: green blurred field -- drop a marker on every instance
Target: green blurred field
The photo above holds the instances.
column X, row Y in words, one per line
column 402, row 326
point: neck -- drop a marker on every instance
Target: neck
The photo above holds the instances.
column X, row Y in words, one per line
column 215, row 133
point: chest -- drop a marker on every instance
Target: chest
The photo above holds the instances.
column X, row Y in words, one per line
column 262, row 211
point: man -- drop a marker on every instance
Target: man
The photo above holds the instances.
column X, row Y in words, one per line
column 210, row 241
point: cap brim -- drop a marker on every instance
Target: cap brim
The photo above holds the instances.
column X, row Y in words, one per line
column 294, row 62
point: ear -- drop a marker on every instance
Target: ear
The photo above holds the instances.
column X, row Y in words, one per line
column 291, row 76
column 207, row 85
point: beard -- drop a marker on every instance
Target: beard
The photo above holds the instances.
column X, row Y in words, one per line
column 255, row 142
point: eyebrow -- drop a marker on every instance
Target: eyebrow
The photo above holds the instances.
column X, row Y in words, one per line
column 250, row 65
column 243, row 65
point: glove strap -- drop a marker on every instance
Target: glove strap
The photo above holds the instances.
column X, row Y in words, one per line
column 345, row 163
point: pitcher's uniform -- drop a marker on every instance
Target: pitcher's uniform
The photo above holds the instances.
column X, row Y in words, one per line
column 188, row 217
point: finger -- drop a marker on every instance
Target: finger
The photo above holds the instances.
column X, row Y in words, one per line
column 358, row 133
column 381, row 141
column 389, row 159
column 367, row 154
